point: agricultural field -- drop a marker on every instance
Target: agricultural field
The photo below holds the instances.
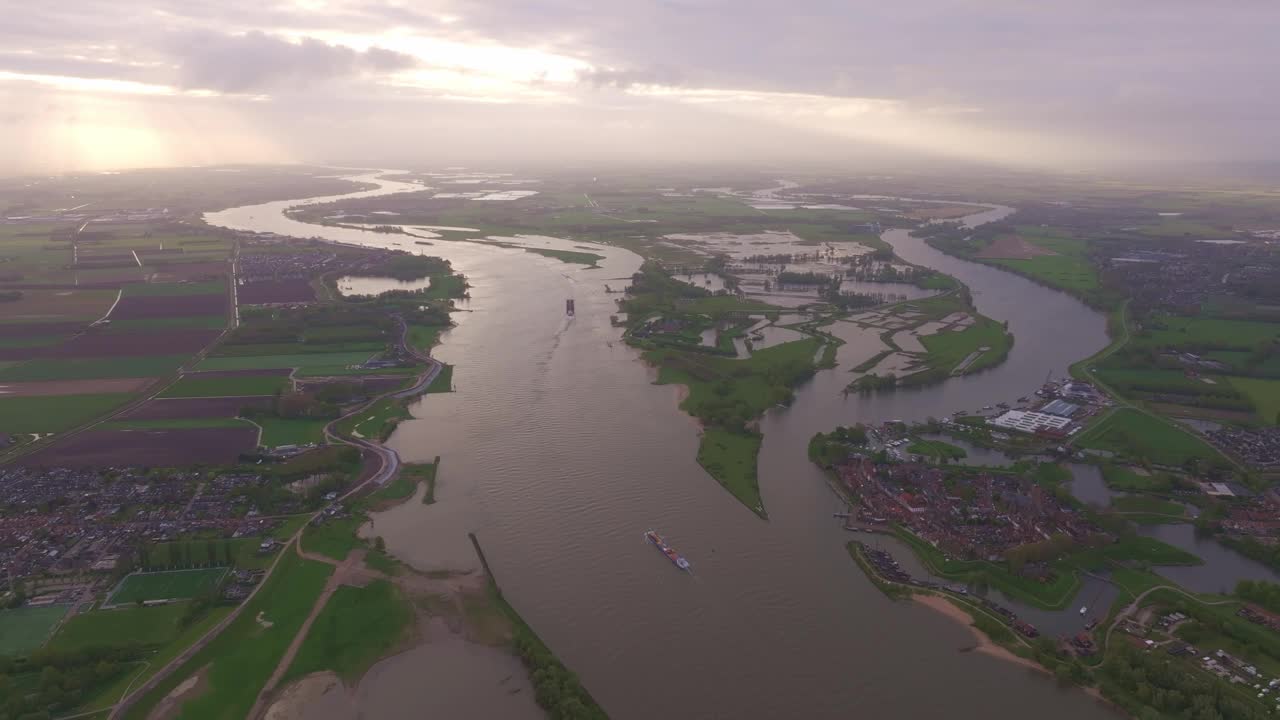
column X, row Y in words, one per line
column 167, row 585
column 26, row 629
column 1134, row 434
column 314, row 360
column 291, row 431
column 51, row 414
column 151, row 447
column 203, row 385
column 1047, row 255
column 1264, row 394
column 197, row 408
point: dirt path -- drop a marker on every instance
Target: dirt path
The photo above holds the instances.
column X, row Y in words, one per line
column 349, row 572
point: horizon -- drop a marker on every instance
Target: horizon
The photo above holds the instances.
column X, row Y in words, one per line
column 1084, row 88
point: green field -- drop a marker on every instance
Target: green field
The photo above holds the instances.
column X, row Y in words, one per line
column 155, row 625
column 1264, row 394
column 1146, row 504
column 425, row 337
column 300, row 360
column 946, row 350
column 730, row 458
column 1121, row 477
column 718, row 304
column 443, row 382
column 26, row 629
column 936, row 449
column 112, row 693
column 1070, row 269
column 240, row 660
column 567, row 256
column 375, row 421
column 1203, row 332
column 93, row 368
column 1130, row 433
column 54, row 413
column 193, row 385
column 290, row 431
column 356, row 628
column 298, row 348
column 167, row 585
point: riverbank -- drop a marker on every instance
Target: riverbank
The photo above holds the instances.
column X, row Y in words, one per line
column 985, row 644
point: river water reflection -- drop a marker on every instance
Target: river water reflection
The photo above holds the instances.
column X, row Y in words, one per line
column 558, row 452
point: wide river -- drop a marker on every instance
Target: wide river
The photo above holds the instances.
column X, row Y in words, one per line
column 558, row 452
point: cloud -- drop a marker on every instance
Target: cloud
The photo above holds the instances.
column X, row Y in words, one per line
column 255, row 61
column 623, row 79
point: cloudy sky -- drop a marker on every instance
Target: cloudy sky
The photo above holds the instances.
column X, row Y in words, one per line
column 95, row 84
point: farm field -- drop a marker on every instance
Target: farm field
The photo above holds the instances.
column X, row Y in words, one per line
column 166, row 585
column 193, row 385
column 51, row 414
column 93, row 368
column 1065, row 265
column 70, row 305
column 1128, row 432
column 148, row 448
column 26, row 629
column 1265, row 395
column 197, row 407
column 1204, row 333
column 301, row 360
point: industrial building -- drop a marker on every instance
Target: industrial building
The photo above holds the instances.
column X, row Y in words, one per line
column 1030, row 422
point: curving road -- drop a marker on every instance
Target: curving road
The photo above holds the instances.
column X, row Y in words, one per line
column 1137, row 602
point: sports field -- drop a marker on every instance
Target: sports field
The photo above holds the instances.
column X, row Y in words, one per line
column 26, row 629
column 167, row 585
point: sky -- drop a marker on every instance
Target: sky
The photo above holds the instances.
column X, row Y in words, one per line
column 1079, row 85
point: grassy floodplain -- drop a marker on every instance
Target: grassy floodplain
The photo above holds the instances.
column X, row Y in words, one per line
column 357, row 627
column 727, row 395
column 235, row 666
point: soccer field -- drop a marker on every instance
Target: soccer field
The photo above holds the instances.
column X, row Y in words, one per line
column 26, row 629
column 167, row 585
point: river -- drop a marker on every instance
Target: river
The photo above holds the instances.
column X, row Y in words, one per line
column 558, row 452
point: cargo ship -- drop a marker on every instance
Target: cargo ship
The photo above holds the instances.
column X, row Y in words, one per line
column 653, row 537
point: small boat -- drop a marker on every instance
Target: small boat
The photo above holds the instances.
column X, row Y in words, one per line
column 1084, row 609
column 653, row 537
